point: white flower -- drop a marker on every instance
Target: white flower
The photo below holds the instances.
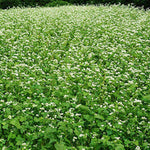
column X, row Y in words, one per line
column 78, row 105
column 137, row 101
column 117, row 138
column 9, row 116
column 137, row 148
column 74, row 138
column 81, row 135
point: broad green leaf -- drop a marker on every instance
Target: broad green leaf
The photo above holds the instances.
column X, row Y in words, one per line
column 60, row 146
column 97, row 116
column 83, row 108
column 5, row 126
column 88, row 118
column 16, row 123
column 11, row 136
column 119, row 147
column 19, row 140
column 147, row 98
column 22, row 119
column 51, row 130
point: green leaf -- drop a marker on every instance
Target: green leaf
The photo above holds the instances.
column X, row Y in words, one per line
column 11, row 136
column 22, row 119
column 15, row 122
column 77, row 132
column 5, row 126
column 88, row 118
column 36, row 119
column 60, row 146
column 109, row 132
column 19, row 140
column 97, row 116
column 147, row 98
column 81, row 147
column 119, row 147
column 136, row 142
column 51, row 130
column 83, row 108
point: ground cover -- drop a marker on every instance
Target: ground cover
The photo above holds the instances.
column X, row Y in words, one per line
column 75, row 77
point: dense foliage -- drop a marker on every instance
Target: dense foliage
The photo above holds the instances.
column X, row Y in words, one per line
column 57, row 3
column 75, row 78
column 11, row 3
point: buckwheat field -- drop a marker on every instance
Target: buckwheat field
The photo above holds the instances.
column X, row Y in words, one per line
column 75, row 78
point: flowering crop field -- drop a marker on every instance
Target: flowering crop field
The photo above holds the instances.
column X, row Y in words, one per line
column 75, row 78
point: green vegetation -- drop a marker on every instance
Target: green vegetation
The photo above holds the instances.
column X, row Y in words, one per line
column 51, row 3
column 75, row 77
column 57, row 3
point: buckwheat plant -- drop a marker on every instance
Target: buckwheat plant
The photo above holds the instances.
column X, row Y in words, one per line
column 74, row 78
